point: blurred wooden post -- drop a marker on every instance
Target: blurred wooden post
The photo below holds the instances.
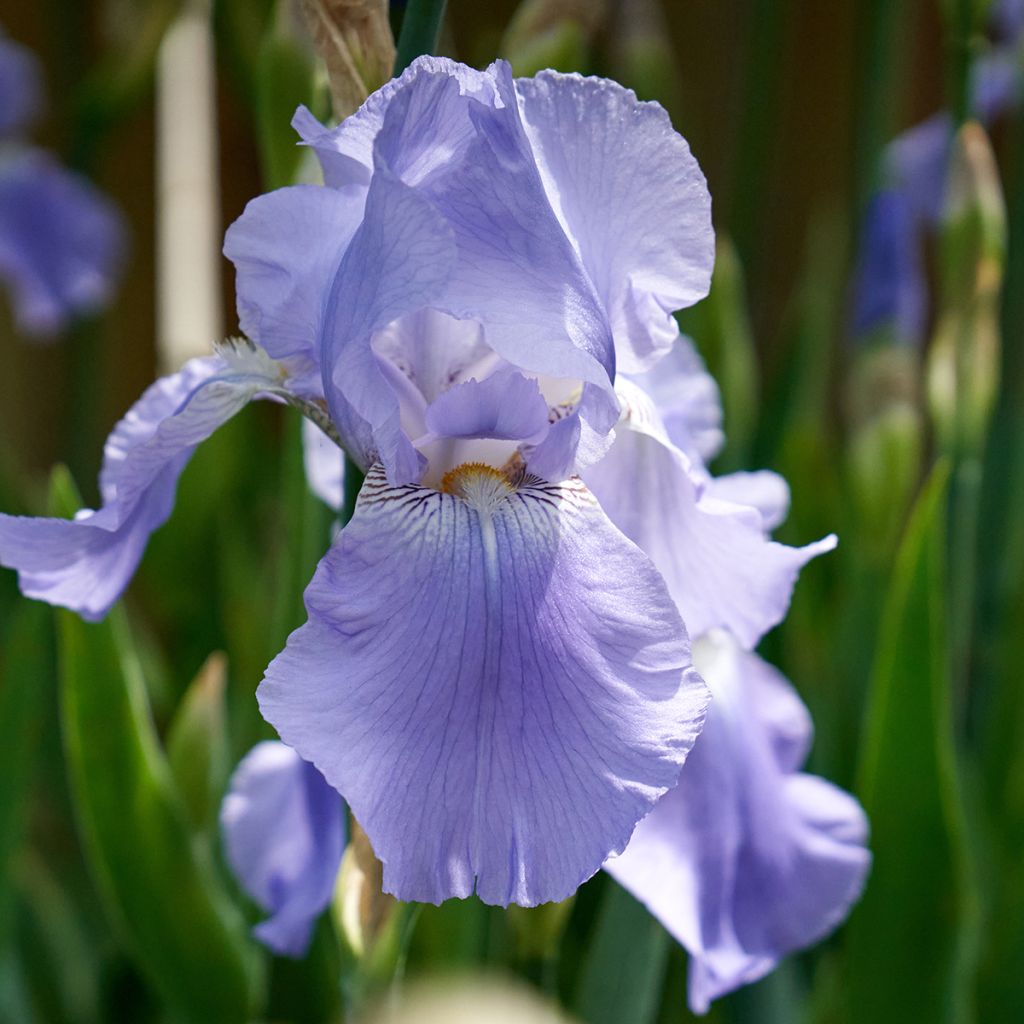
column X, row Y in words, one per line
column 189, row 313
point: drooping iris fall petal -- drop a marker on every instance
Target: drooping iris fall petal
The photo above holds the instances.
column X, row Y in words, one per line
column 747, row 859
column 85, row 563
column 495, row 679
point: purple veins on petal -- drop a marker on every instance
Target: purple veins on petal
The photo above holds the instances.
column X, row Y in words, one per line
column 494, row 678
column 61, row 242
column 85, row 563
column 283, row 829
column 747, row 859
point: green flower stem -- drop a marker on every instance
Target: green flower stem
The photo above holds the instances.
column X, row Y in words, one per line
column 420, row 28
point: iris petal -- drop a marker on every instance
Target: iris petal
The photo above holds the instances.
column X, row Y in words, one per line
column 633, row 199
column 747, row 859
column 286, row 248
column 284, row 833
column 719, row 566
column 85, row 563
column 499, row 685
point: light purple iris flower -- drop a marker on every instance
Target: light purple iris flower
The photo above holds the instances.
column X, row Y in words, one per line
column 284, row 834
column 494, row 675
column 61, row 241
column 748, row 858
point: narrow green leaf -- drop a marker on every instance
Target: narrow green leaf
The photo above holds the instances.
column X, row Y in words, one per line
column 25, row 680
column 159, row 888
column 624, row 967
column 421, row 27
column 910, row 940
column 61, row 960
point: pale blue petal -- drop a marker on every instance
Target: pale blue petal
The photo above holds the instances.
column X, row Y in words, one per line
column 496, row 681
column 762, row 489
column 916, row 163
column 687, row 399
column 719, row 566
column 286, row 248
column 450, row 140
column 516, row 271
column 747, row 859
column 85, row 563
column 505, row 405
column 346, row 152
column 283, row 828
column 324, row 463
column 632, row 198
column 61, row 242
column 399, row 260
column 995, row 84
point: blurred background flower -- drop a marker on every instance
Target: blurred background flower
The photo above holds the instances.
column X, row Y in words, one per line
column 61, row 241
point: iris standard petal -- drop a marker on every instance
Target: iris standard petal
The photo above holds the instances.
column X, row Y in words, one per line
column 632, row 198
column 61, row 242
column 398, row 261
column 516, row 271
column 495, row 679
column 283, row 828
column 687, row 399
column 507, row 263
column 719, row 566
column 286, row 248
column 85, row 563
column 746, row 860
column 346, row 151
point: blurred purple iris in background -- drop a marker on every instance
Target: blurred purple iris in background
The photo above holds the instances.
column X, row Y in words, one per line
column 890, row 287
column 284, row 830
column 61, row 241
column 495, row 672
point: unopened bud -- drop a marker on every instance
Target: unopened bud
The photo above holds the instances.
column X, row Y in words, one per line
column 196, row 743
column 963, row 369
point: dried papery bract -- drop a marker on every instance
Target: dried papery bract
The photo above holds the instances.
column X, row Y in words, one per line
column 354, row 39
